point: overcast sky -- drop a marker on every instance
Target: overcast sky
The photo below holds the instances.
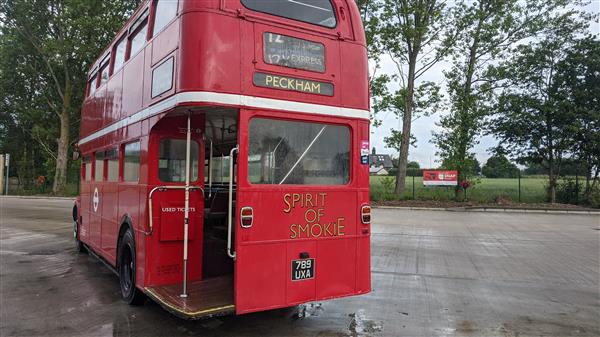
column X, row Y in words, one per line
column 422, row 128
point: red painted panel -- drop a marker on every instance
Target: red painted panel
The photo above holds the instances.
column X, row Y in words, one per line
column 109, row 226
column 336, row 267
column 133, row 79
column 260, row 283
column 165, row 42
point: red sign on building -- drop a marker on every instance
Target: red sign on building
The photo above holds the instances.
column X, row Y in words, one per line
column 440, row 178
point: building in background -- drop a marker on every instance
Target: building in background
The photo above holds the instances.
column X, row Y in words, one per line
column 379, row 164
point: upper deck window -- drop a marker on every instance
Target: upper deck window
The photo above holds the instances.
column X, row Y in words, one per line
column 166, row 10
column 92, row 84
column 138, row 37
column 120, row 54
column 318, row 12
column 299, row 153
column 104, row 74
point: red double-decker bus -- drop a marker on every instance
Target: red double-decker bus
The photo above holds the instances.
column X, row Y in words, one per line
column 224, row 148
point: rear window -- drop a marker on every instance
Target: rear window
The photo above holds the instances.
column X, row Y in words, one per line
column 317, row 12
column 298, row 153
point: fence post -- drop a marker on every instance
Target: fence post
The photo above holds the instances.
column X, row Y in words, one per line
column 577, row 186
column 519, row 176
column 7, row 163
column 1, row 174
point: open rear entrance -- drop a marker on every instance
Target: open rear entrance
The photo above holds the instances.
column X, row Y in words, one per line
column 208, row 289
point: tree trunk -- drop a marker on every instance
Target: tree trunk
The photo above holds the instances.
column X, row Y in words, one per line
column 406, row 123
column 62, row 156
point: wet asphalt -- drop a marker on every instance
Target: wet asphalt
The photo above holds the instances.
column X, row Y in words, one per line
column 434, row 273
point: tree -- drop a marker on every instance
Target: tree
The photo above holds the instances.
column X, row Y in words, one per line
column 488, row 29
column 498, row 166
column 413, row 165
column 394, row 140
column 411, row 35
column 532, row 121
column 46, row 47
column 471, row 167
column 578, row 83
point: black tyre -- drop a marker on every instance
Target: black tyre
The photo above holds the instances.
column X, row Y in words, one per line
column 79, row 247
column 127, row 269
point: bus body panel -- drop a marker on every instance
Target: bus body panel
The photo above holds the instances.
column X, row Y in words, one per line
column 216, row 47
column 293, row 222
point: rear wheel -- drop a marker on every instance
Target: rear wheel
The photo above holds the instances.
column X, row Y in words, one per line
column 127, row 269
column 79, row 247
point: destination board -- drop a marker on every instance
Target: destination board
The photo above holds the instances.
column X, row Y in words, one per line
column 292, row 84
column 291, row 52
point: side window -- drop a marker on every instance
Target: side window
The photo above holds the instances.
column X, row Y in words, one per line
column 87, row 168
column 92, row 84
column 131, row 162
column 104, row 73
column 162, row 78
column 171, row 160
column 112, row 165
column 166, row 10
column 138, row 37
column 119, row 54
column 99, row 166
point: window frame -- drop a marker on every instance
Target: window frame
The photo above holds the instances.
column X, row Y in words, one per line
column 111, row 154
column 113, row 69
column 135, row 28
column 352, row 153
column 167, row 59
column 103, row 177
column 92, row 80
column 104, row 64
column 200, row 160
column 87, row 159
column 333, row 7
column 151, row 29
column 122, row 162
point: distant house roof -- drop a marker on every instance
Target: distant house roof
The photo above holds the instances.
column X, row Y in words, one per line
column 378, row 170
column 381, row 160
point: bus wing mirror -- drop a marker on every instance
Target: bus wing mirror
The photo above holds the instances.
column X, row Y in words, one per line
column 76, row 155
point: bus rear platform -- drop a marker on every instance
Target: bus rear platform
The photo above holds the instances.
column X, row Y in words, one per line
column 205, row 298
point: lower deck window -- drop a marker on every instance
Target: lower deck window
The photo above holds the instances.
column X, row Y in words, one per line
column 300, row 153
column 131, row 161
column 171, row 160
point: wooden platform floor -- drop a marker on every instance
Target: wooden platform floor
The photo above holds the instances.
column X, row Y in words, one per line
column 209, row 297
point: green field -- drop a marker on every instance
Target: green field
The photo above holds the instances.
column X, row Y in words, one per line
column 485, row 190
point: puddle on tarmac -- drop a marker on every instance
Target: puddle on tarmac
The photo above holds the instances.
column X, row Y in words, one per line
column 361, row 326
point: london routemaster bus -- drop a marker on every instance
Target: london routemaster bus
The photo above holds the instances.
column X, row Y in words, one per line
column 224, row 148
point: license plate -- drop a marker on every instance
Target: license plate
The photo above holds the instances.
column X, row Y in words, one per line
column 303, row 269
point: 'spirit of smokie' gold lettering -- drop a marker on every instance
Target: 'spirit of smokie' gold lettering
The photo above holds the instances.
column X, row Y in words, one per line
column 314, row 225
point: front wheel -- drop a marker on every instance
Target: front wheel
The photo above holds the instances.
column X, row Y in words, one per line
column 127, row 269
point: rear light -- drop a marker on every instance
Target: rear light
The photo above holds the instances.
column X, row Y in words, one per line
column 365, row 214
column 246, row 217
